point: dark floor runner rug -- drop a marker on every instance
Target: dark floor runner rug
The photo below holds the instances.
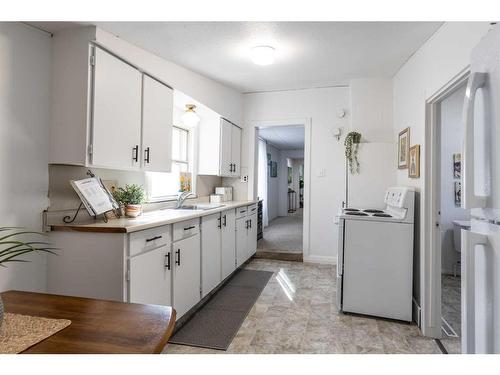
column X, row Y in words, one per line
column 217, row 322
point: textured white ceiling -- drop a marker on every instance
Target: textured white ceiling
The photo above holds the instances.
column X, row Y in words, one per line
column 284, row 137
column 309, row 54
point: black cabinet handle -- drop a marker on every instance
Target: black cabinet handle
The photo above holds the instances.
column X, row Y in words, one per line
column 250, row 223
column 167, row 256
column 178, row 253
column 188, row 228
column 234, row 167
column 146, row 152
column 225, row 220
column 135, row 153
column 153, row 238
column 246, row 224
column 220, row 222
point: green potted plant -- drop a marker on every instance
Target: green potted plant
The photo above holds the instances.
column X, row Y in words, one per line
column 12, row 246
column 131, row 197
column 351, row 143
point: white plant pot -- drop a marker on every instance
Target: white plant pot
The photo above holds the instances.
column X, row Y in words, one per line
column 133, row 210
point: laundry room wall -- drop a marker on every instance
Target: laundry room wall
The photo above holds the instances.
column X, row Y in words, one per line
column 451, row 143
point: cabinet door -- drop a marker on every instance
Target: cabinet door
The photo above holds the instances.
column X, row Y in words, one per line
column 186, row 257
column 241, row 241
column 150, row 277
column 236, row 150
column 228, row 243
column 116, row 120
column 252, row 235
column 210, row 253
column 226, row 162
column 157, row 118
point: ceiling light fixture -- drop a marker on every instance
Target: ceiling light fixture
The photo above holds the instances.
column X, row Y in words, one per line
column 263, row 55
column 190, row 118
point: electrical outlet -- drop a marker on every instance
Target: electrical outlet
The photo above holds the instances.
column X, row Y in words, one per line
column 244, row 178
column 321, row 172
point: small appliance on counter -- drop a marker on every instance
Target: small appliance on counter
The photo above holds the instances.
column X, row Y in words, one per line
column 225, row 192
column 216, row 198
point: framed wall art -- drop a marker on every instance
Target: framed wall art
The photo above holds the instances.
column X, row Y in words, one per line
column 414, row 161
column 403, row 148
column 457, row 165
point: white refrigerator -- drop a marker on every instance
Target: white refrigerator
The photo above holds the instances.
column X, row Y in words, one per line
column 481, row 195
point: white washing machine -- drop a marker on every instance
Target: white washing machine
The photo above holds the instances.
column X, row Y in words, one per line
column 375, row 257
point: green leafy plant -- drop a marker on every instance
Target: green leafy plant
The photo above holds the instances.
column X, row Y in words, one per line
column 130, row 194
column 351, row 150
column 12, row 245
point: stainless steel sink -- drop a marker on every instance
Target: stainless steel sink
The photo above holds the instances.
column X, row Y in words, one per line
column 201, row 207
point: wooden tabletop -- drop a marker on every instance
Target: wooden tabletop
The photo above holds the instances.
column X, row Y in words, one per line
column 97, row 326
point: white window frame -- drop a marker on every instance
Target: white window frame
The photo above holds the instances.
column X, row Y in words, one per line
column 192, row 139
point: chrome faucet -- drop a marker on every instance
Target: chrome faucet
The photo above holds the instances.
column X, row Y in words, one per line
column 182, row 197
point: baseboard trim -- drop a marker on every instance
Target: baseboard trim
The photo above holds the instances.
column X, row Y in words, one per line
column 417, row 313
column 321, row 259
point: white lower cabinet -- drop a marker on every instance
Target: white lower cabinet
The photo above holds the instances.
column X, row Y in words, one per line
column 241, row 240
column 186, row 277
column 246, row 236
column 210, row 252
column 151, row 277
column 228, row 246
column 252, row 235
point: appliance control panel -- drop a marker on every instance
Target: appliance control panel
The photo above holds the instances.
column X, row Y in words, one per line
column 396, row 197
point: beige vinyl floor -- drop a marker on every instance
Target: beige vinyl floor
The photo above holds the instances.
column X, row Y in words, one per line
column 297, row 313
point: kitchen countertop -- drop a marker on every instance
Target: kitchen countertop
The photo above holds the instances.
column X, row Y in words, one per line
column 148, row 219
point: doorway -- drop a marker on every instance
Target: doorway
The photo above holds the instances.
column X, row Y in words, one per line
column 281, row 173
column 444, row 218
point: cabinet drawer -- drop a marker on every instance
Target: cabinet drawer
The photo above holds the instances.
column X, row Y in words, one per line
column 241, row 212
column 148, row 239
column 252, row 209
column 185, row 229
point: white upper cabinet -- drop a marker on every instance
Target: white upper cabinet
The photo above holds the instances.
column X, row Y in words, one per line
column 157, row 117
column 219, row 148
column 236, row 151
column 116, row 120
column 106, row 112
column 226, row 161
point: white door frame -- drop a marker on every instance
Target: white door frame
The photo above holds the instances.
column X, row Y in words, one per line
column 430, row 257
column 253, row 171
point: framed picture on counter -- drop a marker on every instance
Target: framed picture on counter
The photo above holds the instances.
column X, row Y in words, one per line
column 403, row 148
column 457, row 165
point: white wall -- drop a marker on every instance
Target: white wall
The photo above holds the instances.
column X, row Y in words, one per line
column 371, row 106
column 24, row 142
column 441, row 58
column 327, row 191
column 273, row 185
column 451, row 143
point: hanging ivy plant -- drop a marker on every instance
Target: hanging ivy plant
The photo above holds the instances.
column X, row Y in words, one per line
column 351, row 151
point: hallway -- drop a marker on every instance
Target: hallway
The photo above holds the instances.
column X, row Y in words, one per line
column 283, row 235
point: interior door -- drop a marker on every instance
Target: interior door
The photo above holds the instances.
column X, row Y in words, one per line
column 116, row 117
column 186, row 257
column 236, row 150
column 157, row 118
column 210, row 252
column 228, row 245
column 151, row 278
column 226, row 163
column 241, row 241
column 252, row 235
